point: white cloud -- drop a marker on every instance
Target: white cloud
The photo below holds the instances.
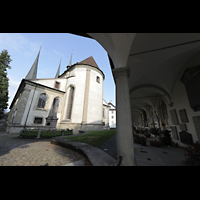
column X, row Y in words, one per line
column 17, row 42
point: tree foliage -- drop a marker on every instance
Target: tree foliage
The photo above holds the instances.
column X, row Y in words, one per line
column 4, row 65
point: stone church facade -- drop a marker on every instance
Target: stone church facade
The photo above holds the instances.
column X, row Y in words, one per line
column 71, row 100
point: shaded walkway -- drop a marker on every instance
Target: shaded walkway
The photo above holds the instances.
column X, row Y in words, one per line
column 148, row 155
column 110, row 147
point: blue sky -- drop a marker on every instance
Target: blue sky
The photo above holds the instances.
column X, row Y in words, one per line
column 23, row 49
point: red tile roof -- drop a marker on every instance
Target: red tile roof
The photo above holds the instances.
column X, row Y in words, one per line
column 89, row 61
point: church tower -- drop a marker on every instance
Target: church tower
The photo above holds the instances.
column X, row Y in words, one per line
column 58, row 72
column 83, row 99
column 32, row 74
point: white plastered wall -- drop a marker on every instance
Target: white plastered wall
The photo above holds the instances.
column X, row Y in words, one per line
column 78, row 82
column 95, row 101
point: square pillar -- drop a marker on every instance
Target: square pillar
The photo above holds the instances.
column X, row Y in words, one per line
column 124, row 134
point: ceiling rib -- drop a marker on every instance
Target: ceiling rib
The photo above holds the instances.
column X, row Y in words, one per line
column 172, row 46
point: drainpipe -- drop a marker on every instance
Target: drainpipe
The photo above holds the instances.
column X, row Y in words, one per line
column 30, row 107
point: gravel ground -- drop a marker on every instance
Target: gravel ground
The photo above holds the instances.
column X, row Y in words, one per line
column 34, row 152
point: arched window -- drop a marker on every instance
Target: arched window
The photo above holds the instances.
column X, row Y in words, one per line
column 42, row 101
column 103, row 112
column 70, row 103
column 164, row 113
column 56, row 103
column 145, row 118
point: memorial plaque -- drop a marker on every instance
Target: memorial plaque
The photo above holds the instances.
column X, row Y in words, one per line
column 196, row 121
column 183, row 116
column 174, row 117
column 174, row 133
column 183, row 127
column 186, row 137
column 191, row 79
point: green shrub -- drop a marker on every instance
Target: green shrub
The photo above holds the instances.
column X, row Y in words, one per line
column 44, row 134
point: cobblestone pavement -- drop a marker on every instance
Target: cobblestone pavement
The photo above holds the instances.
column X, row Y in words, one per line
column 34, row 152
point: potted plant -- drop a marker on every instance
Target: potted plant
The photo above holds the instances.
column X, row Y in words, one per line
column 143, row 141
column 137, row 131
column 155, row 132
column 166, row 138
column 147, row 135
column 136, row 139
column 142, row 131
column 155, row 143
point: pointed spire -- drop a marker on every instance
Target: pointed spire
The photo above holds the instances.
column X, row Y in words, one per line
column 32, row 74
column 58, row 72
column 70, row 62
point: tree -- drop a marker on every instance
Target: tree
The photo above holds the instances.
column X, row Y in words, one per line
column 4, row 64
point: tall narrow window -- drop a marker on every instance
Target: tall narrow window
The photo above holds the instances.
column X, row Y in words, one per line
column 70, row 102
column 98, row 79
column 42, row 101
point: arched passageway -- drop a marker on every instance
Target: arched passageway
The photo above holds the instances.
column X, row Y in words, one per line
column 147, row 68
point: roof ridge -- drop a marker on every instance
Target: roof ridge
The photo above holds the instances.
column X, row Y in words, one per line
column 90, row 61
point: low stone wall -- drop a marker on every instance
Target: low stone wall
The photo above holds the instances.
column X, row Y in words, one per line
column 95, row 156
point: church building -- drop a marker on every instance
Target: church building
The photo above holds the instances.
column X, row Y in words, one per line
column 71, row 100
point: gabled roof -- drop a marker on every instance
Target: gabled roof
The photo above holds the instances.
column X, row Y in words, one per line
column 89, row 61
column 110, row 104
column 22, row 85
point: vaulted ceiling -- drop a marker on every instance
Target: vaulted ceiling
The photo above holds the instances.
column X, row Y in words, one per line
column 155, row 61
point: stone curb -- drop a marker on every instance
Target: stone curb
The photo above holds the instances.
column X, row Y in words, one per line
column 95, row 156
column 76, row 163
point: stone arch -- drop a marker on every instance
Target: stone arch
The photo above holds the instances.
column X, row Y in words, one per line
column 159, row 89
